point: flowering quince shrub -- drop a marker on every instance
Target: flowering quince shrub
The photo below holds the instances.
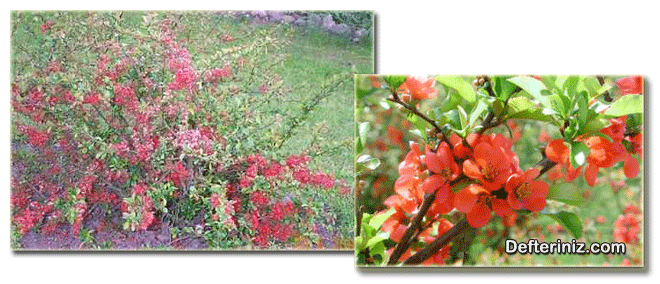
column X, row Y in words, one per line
column 142, row 130
column 447, row 169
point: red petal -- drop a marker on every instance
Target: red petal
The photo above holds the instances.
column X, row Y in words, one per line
column 530, row 174
column 557, row 151
column 539, row 188
column 514, row 181
column 466, row 198
column 501, row 207
column 630, row 85
column 630, row 166
column 433, row 162
column 535, row 204
column 590, row 174
column 432, row 183
column 398, row 233
column 404, row 185
column 471, row 169
column 479, row 216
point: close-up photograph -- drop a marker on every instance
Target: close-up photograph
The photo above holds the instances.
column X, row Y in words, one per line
column 499, row 170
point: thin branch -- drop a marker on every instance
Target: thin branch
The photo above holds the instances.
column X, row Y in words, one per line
column 415, row 224
column 429, row 250
column 396, row 99
column 601, row 81
column 439, row 243
column 414, row 110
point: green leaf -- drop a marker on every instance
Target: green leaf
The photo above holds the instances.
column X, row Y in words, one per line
column 362, row 129
column 559, row 103
column 593, row 126
column 570, row 84
column 460, row 85
column 531, row 86
column 498, row 107
column 583, row 107
column 503, row 88
column 518, row 104
column 394, row 81
column 378, row 238
column 532, row 114
column 477, row 112
column 592, row 86
column 570, row 221
column 359, row 244
column 450, row 102
column 567, row 193
column 368, row 161
column 378, row 249
column 419, row 123
column 626, row 105
column 454, row 118
column 463, row 117
column 377, row 220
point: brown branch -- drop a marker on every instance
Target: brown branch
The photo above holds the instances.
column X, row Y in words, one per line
column 404, row 243
column 546, row 165
column 432, row 248
column 601, row 81
column 429, row 250
column 415, row 224
column 396, row 99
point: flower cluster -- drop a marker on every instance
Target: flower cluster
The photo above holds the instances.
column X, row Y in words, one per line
column 617, row 144
column 627, row 226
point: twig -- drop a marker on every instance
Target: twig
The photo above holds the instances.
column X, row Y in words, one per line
column 415, row 224
column 396, row 99
column 601, row 81
column 436, row 245
column 432, row 248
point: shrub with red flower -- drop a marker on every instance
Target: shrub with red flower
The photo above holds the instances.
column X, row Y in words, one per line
column 122, row 134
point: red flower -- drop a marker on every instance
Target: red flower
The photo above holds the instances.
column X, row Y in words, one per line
column 461, row 149
column 492, row 163
column 630, row 85
column 557, row 151
column 602, row 154
column 526, row 192
column 140, row 189
column 617, row 128
column 474, row 200
column 46, row 26
column 259, row 199
column 420, row 87
column 214, row 200
column 179, row 175
column 442, row 162
column 626, row 228
column 93, row 99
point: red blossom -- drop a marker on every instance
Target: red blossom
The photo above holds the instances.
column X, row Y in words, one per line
column 626, row 228
column 419, row 87
column 630, row 85
column 525, row 192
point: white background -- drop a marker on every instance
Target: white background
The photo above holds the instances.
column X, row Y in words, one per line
column 430, row 37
